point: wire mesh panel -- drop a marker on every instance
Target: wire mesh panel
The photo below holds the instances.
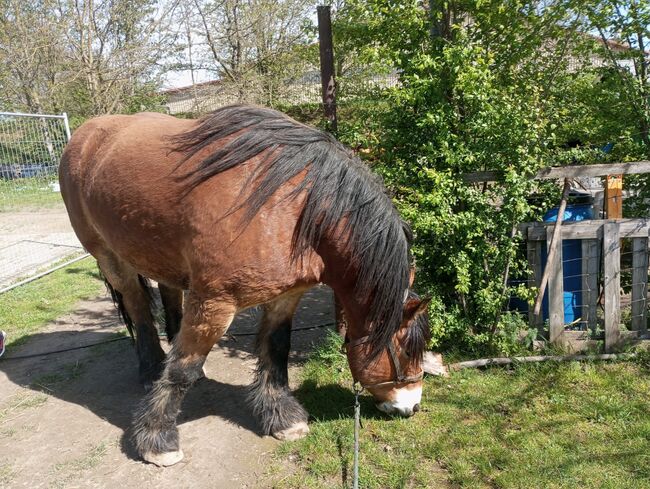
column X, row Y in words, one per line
column 35, row 233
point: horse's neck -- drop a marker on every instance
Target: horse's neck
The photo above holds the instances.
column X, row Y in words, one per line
column 340, row 274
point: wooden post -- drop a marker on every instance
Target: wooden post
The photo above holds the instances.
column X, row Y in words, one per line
column 612, row 283
column 555, row 287
column 534, row 252
column 614, row 197
column 551, row 240
column 328, row 86
column 639, row 284
column 328, row 81
column 590, row 262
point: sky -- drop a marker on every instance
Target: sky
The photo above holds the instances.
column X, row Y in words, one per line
column 183, row 78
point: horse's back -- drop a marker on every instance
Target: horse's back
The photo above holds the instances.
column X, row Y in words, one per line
column 95, row 135
column 122, row 185
column 114, row 177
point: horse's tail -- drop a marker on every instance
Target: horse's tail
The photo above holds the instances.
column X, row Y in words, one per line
column 119, row 301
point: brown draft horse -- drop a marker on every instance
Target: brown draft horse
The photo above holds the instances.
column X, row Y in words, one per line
column 243, row 207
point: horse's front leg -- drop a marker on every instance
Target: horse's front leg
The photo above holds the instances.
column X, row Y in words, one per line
column 155, row 432
column 280, row 414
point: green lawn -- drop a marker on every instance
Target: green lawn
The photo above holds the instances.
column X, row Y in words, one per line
column 28, row 193
column 538, row 426
column 26, row 309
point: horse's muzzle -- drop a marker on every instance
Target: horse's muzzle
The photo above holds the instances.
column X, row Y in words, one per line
column 405, row 402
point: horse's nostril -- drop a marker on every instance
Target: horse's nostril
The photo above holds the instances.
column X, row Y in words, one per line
column 416, row 408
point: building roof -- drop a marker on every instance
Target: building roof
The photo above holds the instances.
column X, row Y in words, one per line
column 186, row 88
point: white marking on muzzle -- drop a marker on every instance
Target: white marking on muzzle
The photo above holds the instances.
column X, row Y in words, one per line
column 402, row 404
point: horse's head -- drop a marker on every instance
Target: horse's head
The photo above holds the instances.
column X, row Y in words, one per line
column 394, row 376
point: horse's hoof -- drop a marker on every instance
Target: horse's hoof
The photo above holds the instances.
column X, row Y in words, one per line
column 163, row 459
column 295, row 432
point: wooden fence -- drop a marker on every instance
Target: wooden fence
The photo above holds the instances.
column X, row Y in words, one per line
column 601, row 244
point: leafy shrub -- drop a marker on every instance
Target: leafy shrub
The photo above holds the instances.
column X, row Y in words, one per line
column 470, row 100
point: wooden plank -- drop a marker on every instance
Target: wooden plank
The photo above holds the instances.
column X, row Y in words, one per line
column 555, row 289
column 639, row 284
column 592, row 229
column 577, row 341
column 590, row 261
column 555, row 237
column 534, row 253
column 570, row 230
column 614, row 197
column 601, row 170
column 555, row 172
column 612, row 283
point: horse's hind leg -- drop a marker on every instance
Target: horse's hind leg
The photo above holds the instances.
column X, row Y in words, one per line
column 281, row 415
column 133, row 297
column 172, row 300
column 155, row 431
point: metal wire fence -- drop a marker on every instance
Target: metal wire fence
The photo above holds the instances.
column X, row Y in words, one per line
column 35, row 233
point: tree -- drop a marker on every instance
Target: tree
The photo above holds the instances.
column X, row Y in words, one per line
column 251, row 45
column 627, row 20
column 485, row 85
column 85, row 56
column 31, row 55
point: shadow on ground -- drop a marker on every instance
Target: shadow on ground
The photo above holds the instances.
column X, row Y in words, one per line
column 104, row 378
column 332, row 402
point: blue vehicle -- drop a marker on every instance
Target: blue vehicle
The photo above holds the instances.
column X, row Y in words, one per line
column 27, row 170
column 8, row 172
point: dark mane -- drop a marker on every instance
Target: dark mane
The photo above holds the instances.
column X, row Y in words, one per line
column 418, row 334
column 338, row 188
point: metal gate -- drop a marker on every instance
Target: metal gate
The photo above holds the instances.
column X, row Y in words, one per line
column 35, row 233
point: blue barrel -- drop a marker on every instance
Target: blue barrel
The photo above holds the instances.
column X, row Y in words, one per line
column 571, row 261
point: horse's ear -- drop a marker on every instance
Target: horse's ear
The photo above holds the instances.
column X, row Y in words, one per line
column 411, row 276
column 415, row 307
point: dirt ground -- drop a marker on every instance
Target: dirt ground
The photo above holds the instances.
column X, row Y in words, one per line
column 64, row 418
column 30, row 240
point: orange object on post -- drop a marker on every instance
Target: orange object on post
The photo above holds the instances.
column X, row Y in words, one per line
column 614, row 197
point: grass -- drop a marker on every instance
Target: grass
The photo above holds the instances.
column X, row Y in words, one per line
column 26, row 309
column 67, row 472
column 67, row 373
column 28, row 193
column 20, row 402
column 545, row 425
column 6, row 475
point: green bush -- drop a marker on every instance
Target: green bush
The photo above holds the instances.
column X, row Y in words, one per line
column 473, row 98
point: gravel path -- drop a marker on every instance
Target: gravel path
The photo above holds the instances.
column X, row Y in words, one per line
column 31, row 240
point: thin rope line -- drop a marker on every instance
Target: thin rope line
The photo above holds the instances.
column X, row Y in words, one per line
column 357, row 424
column 74, row 348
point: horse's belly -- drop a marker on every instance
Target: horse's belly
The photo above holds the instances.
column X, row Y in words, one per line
column 144, row 238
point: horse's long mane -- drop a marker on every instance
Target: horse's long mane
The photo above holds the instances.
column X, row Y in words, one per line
column 338, row 189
